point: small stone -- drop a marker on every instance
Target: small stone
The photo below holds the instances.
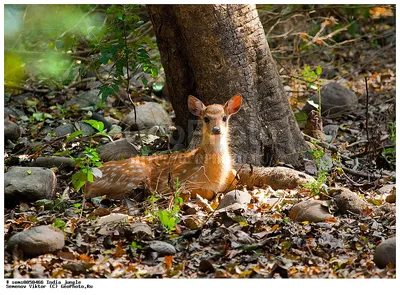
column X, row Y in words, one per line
column 38, row 240
column 346, row 201
column 235, row 196
column 334, row 99
column 148, row 115
column 64, row 130
column 29, row 184
column 53, row 161
column 310, row 210
column 142, row 231
column 87, row 130
column 13, row 112
column 385, row 253
column 11, row 130
column 162, row 248
column 113, row 217
column 124, row 148
column 85, row 100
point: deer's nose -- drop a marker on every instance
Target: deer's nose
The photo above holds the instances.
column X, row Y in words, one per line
column 216, row 130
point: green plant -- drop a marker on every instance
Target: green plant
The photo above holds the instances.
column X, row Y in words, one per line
column 313, row 79
column 389, row 153
column 167, row 217
column 318, row 186
column 56, row 204
column 59, row 223
column 129, row 51
column 89, row 163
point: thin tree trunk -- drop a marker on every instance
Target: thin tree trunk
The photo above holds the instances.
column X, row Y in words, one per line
column 216, row 51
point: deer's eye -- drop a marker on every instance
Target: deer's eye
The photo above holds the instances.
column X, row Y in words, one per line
column 206, row 119
column 224, row 119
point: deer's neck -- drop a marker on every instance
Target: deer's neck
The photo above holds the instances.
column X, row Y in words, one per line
column 215, row 144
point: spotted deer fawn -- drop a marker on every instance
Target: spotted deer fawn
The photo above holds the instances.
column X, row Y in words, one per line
column 205, row 170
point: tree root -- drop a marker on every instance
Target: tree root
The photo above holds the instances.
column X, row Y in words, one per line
column 275, row 177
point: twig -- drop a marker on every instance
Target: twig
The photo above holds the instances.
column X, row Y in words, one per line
column 363, row 174
column 366, row 111
column 17, row 87
column 73, row 84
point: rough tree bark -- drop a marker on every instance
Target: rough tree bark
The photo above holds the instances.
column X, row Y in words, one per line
column 216, row 51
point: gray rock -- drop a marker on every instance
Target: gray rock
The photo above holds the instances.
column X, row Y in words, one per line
column 38, row 240
column 234, row 196
column 310, row 210
column 347, row 201
column 22, row 97
column 13, row 112
column 50, row 162
column 63, row 130
column 119, row 149
column 142, row 231
column 85, row 100
column 11, row 130
column 87, row 130
column 162, row 248
column 334, row 99
column 149, row 114
column 29, row 184
column 385, row 253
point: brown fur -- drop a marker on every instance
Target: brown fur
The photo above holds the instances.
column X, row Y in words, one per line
column 205, row 170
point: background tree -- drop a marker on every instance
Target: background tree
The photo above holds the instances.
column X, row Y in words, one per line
column 216, row 51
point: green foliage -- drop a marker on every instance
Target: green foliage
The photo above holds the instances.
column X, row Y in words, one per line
column 88, row 168
column 389, row 153
column 312, row 77
column 167, row 217
column 38, row 46
column 124, row 54
column 89, row 163
column 318, row 186
column 41, row 46
column 56, row 204
column 59, row 223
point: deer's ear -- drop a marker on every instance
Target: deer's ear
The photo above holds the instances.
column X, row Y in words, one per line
column 196, row 107
column 232, row 106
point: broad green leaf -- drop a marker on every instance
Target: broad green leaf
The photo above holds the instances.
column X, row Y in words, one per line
column 79, row 180
column 73, row 135
column 318, row 70
column 98, row 125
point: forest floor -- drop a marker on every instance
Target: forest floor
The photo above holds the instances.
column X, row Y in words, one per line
column 125, row 239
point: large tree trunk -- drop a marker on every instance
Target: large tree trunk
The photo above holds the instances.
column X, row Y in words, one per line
column 216, row 51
